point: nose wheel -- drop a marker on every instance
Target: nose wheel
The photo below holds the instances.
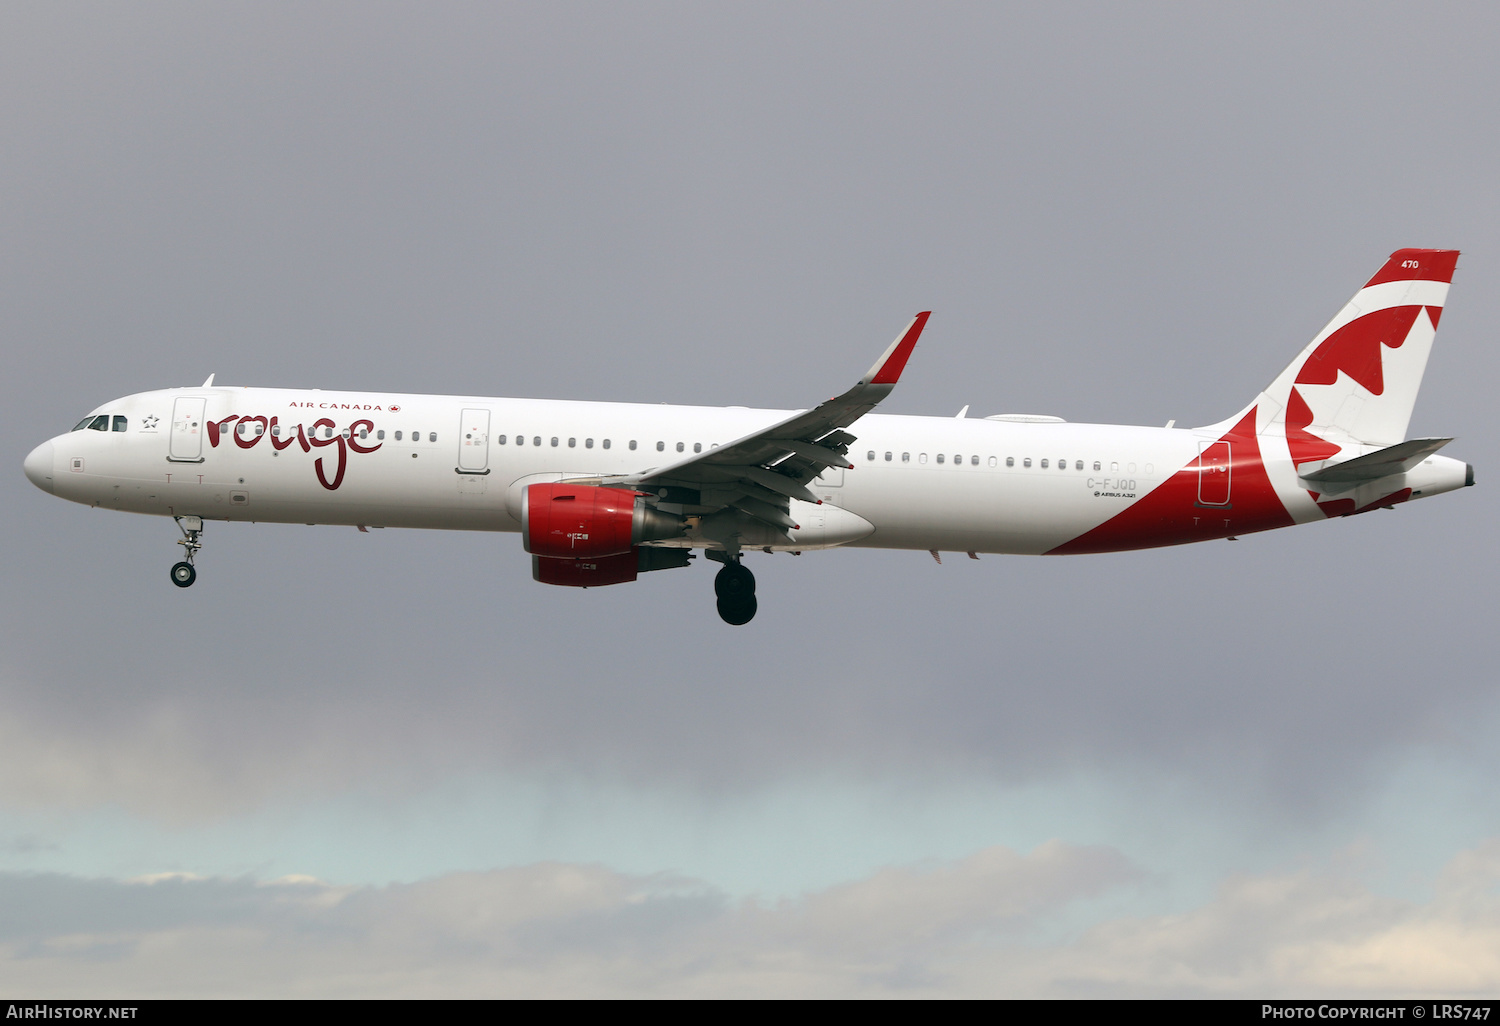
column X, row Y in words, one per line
column 735, row 587
column 183, row 573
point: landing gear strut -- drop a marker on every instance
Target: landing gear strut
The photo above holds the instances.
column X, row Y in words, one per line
column 735, row 587
column 183, row 574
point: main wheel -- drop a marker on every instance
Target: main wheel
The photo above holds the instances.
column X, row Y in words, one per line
column 734, row 581
column 739, row 610
column 183, row 575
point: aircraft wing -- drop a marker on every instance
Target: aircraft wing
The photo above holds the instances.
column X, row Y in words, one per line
column 758, row 473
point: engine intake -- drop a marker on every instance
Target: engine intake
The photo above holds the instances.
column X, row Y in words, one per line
column 563, row 521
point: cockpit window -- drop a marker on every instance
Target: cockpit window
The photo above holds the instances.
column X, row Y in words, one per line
column 100, row 423
column 120, row 423
column 85, row 422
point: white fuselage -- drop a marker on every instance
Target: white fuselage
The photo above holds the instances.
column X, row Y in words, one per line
column 454, row 462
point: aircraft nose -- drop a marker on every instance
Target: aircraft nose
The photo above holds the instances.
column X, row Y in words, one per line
column 39, row 466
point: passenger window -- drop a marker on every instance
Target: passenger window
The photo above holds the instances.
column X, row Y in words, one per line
column 922, row 457
column 871, row 455
column 1010, row 461
column 697, row 446
column 887, row 457
column 381, row 436
column 1114, row 467
column 363, row 432
column 661, row 446
column 1096, row 465
column 572, row 443
column 536, row 439
column 958, row 461
column 345, row 432
column 554, row 441
column 1044, row 464
column 632, row 445
column 993, row 461
column 501, row 439
column 99, row 424
column 606, row 443
column 940, row 457
column 120, row 423
column 973, row 461
column 1026, row 462
column 906, row 457
column 1062, row 464
column 588, row 443
column 679, row 446
column 398, row 436
column 1078, row 465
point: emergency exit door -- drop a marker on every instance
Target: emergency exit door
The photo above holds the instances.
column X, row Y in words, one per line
column 474, row 442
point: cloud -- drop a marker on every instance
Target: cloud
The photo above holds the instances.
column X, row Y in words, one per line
column 166, row 760
column 968, row 927
column 1300, row 933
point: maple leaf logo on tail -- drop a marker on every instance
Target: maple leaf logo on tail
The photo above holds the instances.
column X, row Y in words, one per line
column 1355, row 384
column 1349, row 393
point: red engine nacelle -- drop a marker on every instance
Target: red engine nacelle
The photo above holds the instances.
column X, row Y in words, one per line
column 586, row 573
column 605, row 570
column 561, row 521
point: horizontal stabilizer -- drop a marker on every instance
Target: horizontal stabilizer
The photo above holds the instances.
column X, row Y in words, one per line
column 1396, row 459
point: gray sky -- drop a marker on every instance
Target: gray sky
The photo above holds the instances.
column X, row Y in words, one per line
column 1012, row 776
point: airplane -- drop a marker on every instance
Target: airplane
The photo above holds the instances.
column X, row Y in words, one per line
column 603, row 492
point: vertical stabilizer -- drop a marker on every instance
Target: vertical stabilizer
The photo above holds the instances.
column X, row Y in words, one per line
column 1356, row 382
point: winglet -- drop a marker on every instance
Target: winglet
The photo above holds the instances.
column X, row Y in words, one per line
column 887, row 369
column 209, row 383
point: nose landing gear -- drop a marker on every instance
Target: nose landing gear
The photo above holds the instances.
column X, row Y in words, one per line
column 183, row 573
column 735, row 587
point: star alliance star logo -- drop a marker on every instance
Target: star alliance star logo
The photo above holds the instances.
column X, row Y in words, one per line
column 149, row 424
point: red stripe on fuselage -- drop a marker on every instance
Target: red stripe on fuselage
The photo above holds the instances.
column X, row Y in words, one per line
column 1172, row 515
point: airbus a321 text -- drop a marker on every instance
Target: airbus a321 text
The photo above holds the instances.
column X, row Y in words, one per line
column 603, row 492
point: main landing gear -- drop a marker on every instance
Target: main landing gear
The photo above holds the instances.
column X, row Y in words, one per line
column 183, row 574
column 735, row 587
